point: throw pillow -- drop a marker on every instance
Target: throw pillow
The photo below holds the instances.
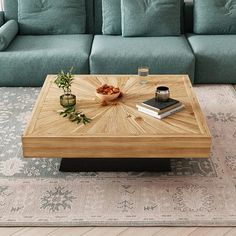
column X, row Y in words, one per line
column 51, row 16
column 151, row 17
column 7, row 33
column 215, row 16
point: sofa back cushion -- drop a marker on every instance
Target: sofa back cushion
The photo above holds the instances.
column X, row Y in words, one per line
column 111, row 14
column 215, row 16
column 11, row 10
column 151, row 18
column 37, row 17
column 98, row 17
column 11, row 13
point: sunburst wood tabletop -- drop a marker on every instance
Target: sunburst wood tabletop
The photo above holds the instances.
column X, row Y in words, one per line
column 118, row 129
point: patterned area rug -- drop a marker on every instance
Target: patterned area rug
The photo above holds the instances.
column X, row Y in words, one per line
column 196, row 192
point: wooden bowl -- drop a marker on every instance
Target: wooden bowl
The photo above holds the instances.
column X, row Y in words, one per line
column 107, row 98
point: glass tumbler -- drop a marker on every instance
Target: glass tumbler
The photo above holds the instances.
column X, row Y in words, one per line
column 143, row 72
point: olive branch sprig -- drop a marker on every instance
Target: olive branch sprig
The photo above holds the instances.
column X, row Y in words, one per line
column 74, row 116
column 65, row 80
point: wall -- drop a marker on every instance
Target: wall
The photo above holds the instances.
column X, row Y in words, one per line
column 1, row 5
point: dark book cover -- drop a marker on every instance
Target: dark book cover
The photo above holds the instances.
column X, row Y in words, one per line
column 160, row 105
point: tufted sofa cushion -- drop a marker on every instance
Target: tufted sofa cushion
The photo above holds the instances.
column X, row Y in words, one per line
column 151, row 18
column 215, row 17
column 11, row 13
column 98, row 18
column 38, row 17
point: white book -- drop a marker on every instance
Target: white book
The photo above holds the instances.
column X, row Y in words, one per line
column 161, row 116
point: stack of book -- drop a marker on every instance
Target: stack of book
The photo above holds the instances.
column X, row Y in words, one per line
column 159, row 109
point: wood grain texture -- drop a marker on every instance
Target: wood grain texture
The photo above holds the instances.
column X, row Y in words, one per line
column 138, row 231
column 118, row 129
column 183, row 231
column 231, row 232
column 209, row 231
column 6, row 231
column 120, row 231
column 69, row 231
column 29, row 231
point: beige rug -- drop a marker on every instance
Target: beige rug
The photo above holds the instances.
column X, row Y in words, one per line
column 196, row 192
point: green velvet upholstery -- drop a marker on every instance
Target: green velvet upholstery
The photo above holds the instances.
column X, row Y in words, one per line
column 1, row 18
column 28, row 59
column 215, row 58
column 98, row 16
column 111, row 14
column 188, row 17
column 215, row 17
column 11, row 13
column 7, row 33
column 111, row 17
column 119, row 55
column 151, row 18
column 11, row 9
column 46, row 17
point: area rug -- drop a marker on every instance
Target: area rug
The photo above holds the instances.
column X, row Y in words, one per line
column 196, row 192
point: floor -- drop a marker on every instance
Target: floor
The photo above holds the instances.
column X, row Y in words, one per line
column 119, row 231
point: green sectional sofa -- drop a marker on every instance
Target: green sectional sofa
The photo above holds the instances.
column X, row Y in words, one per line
column 27, row 58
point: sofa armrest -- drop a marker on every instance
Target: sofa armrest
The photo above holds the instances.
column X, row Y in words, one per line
column 8, row 32
column 1, row 18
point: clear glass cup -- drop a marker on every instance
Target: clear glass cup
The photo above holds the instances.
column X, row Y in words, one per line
column 143, row 72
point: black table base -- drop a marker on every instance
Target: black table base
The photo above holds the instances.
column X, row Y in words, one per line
column 115, row 164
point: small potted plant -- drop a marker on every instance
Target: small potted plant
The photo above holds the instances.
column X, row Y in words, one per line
column 64, row 81
column 68, row 100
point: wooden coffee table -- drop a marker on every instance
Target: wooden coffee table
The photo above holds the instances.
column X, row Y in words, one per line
column 118, row 132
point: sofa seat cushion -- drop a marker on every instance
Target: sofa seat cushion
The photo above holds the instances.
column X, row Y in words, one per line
column 29, row 59
column 215, row 58
column 119, row 55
